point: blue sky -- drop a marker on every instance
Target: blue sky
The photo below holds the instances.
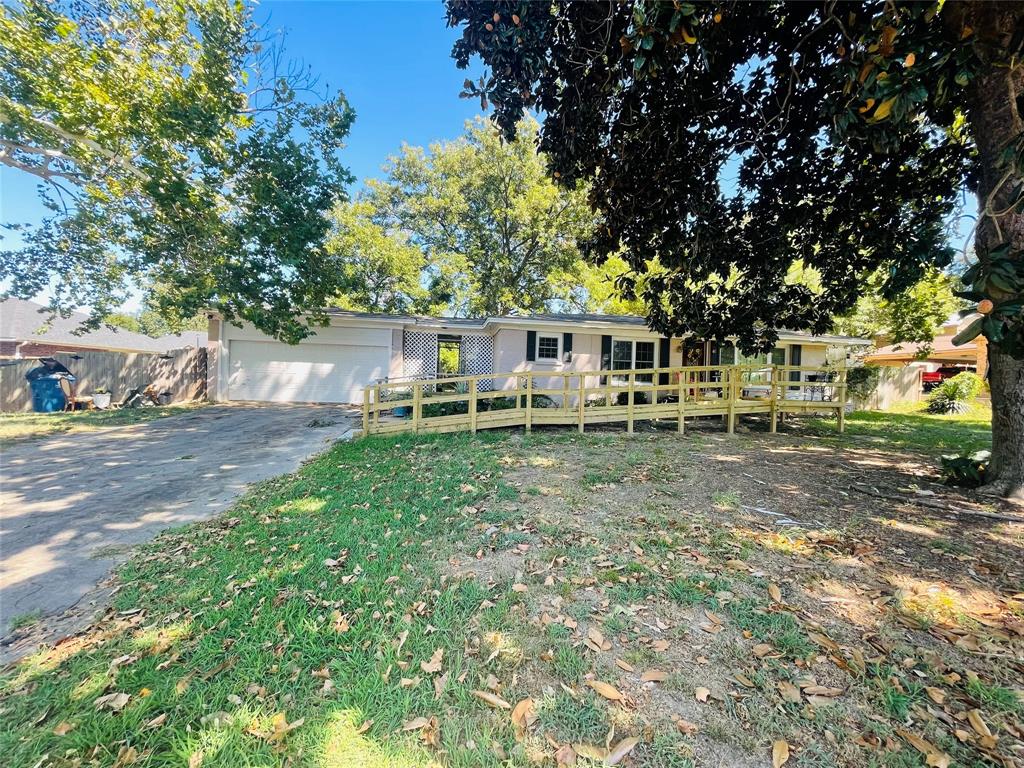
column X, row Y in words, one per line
column 391, row 59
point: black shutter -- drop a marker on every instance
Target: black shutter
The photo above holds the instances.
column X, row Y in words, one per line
column 531, row 345
column 664, row 352
column 606, row 356
column 716, row 356
column 567, row 347
column 795, row 353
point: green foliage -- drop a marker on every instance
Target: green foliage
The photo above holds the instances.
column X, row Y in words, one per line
column 779, row 629
column 494, row 233
column 671, row 114
column 173, row 150
column 966, row 470
column 862, row 381
column 911, row 315
column 955, row 394
column 381, row 269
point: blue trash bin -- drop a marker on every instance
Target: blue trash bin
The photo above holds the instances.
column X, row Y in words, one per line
column 44, row 381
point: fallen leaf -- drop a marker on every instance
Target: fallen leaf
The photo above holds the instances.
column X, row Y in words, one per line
column 654, row 676
column 565, row 755
column 935, row 694
column 686, row 727
column 621, row 749
column 522, row 714
column 518, row 587
column 156, row 722
column 434, row 665
column 126, row 756
column 63, row 727
column 702, row 694
column 761, row 650
column 608, row 691
column 625, row 666
column 115, row 702
column 780, row 753
column 416, row 724
column 196, row 759
column 492, row 699
column 775, row 592
column 789, row 692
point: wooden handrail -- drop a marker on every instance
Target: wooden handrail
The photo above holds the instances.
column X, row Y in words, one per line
column 488, row 400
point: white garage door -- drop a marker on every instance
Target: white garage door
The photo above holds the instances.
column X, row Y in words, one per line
column 303, row 373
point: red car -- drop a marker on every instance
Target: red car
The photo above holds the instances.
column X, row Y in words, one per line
column 934, row 378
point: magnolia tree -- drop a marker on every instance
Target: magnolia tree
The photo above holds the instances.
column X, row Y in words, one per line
column 173, row 150
column 734, row 141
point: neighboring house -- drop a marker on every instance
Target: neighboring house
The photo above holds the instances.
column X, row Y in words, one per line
column 26, row 331
column 941, row 353
column 358, row 349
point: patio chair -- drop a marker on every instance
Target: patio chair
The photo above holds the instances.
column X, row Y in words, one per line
column 71, row 399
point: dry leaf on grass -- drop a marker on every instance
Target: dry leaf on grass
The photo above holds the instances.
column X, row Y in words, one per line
column 492, row 700
column 775, row 592
column 606, row 690
column 523, row 714
column 780, row 753
column 415, row 724
column 63, row 728
column 686, row 727
column 654, row 676
column 624, row 666
column 702, row 694
column 789, row 692
column 115, row 702
column 621, row 749
column 565, row 755
column 434, row 665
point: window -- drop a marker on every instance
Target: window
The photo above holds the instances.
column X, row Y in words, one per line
column 779, row 356
column 547, row 348
column 628, row 354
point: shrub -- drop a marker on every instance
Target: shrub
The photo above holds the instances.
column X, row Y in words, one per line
column 967, row 471
column 955, row 394
column 862, row 381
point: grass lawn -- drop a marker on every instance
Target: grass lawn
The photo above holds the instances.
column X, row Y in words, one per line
column 26, row 426
column 911, row 427
column 389, row 605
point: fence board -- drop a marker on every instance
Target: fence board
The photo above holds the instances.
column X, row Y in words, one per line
column 182, row 373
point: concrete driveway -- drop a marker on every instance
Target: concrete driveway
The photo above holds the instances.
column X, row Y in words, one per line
column 72, row 506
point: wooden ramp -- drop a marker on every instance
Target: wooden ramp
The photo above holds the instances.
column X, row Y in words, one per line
column 578, row 398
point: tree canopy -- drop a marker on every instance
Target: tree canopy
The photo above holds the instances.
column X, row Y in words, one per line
column 733, row 140
column 471, row 227
column 172, row 147
column 913, row 315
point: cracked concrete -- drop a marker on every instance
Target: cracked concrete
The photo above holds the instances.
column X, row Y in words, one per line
column 74, row 506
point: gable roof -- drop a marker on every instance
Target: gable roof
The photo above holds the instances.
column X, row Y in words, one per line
column 22, row 320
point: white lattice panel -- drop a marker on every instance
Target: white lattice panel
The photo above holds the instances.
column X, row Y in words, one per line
column 419, row 352
column 478, row 358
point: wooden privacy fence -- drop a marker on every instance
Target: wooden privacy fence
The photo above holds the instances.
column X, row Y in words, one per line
column 469, row 403
column 181, row 372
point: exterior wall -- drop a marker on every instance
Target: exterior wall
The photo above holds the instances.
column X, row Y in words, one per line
column 510, row 356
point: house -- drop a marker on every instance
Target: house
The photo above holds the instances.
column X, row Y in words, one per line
column 358, row 349
column 26, row 331
column 941, row 353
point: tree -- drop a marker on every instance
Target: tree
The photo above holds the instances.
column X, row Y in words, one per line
column 492, row 227
column 171, row 148
column 732, row 140
column 912, row 315
column 381, row 270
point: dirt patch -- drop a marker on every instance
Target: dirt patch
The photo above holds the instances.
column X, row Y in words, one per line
column 738, row 591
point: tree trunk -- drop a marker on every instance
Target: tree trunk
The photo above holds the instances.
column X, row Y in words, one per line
column 995, row 119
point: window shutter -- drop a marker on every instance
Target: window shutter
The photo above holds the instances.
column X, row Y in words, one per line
column 531, row 345
column 606, row 352
column 715, row 356
column 795, row 353
column 567, row 347
column 664, row 353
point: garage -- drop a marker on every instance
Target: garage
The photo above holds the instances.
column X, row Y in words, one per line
column 309, row 372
